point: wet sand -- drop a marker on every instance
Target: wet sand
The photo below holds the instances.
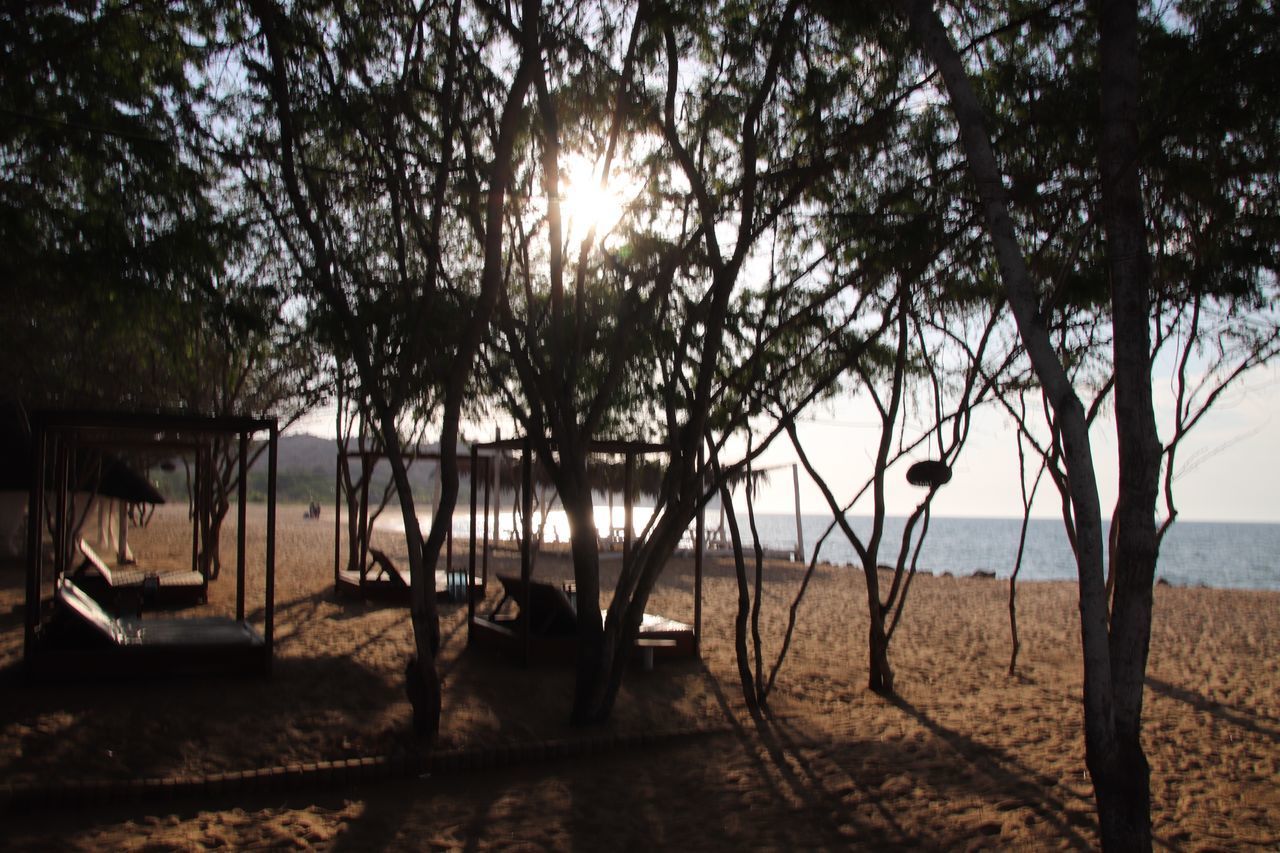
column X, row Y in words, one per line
column 966, row 757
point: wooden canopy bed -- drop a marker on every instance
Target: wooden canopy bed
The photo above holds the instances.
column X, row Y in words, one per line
column 375, row 577
column 540, row 626
column 69, row 635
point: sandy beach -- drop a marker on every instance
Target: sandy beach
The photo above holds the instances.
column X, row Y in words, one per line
column 967, row 757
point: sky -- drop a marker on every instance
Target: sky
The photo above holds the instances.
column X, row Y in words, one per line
column 1229, row 467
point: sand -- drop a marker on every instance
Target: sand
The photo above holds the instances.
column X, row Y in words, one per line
column 966, row 757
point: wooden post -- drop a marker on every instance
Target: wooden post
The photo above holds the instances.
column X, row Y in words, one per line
column 795, row 478
column 496, row 472
column 362, row 528
column 195, row 511
column 122, row 533
column 242, row 517
column 206, row 497
column 60, row 507
column 626, row 510
column 35, row 551
column 269, row 632
column 471, row 566
column 337, row 484
column 484, row 560
column 337, row 517
column 700, row 530
column 526, row 565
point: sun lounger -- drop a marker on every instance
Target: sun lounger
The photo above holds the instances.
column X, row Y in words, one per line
column 553, row 627
column 551, row 614
column 160, row 588
column 83, row 640
column 383, row 580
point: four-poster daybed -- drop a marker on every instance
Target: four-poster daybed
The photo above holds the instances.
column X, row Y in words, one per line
column 543, row 627
column 68, row 634
column 376, row 577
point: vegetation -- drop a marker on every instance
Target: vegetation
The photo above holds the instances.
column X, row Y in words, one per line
column 934, row 205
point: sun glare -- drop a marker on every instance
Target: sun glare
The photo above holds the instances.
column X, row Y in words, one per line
column 585, row 203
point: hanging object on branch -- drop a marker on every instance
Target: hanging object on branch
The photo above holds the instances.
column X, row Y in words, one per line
column 929, row 472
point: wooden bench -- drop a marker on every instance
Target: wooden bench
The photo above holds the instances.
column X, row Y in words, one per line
column 646, row 645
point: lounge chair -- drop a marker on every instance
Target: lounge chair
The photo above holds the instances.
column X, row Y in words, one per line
column 387, row 571
column 383, row 580
column 83, row 640
column 551, row 614
column 156, row 588
column 553, row 626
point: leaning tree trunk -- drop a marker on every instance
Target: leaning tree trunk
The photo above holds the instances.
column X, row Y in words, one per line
column 422, row 679
column 1099, row 699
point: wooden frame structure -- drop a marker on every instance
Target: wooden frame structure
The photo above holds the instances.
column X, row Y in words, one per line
column 388, row 583
column 149, row 646
column 660, row 637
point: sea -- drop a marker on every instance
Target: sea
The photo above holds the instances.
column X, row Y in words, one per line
column 1193, row 553
column 1227, row 555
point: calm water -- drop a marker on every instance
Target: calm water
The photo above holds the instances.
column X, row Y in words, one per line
column 1238, row 556
column 1194, row 553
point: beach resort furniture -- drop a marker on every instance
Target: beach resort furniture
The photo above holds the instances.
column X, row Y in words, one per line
column 548, row 609
column 552, row 623
column 67, row 634
column 378, row 578
column 543, row 627
column 82, row 640
column 155, row 587
column 382, row 580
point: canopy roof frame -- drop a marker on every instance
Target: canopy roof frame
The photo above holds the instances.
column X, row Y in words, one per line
column 373, row 456
column 54, row 435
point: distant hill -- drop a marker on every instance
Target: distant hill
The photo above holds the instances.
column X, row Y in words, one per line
column 304, row 472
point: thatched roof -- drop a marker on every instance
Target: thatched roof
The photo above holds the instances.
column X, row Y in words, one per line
column 102, row 473
column 118, row 480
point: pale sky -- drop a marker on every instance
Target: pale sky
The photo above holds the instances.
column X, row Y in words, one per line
column 1230, row 464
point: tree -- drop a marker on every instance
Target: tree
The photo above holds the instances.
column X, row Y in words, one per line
column 1115, row 633
column 106, row 213
column 665, row 316
column 137, row 276
column 951, row 398
column 373, row 158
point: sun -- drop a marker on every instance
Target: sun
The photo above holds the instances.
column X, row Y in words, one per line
column 584, row 203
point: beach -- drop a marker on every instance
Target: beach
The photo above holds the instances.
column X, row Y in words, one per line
column 966, row 756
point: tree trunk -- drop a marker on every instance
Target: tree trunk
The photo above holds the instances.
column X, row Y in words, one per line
column 1099, row 710
column 1125, row 810
column 591, row 656
column 422, row 607
column 741, row 653
column 626, row 612
column 422, row 681
column 879, row 672
column 211, row 543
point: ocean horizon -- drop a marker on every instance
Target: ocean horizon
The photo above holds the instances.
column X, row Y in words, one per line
column 1225, row 555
